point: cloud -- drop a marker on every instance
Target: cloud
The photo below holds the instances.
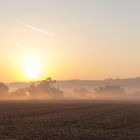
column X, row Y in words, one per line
column 37, row 29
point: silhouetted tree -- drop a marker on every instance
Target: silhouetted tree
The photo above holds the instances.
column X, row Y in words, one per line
column 110, row 90
column 4, row 90
column 45, row 87
column 31, row 89
column 20, row 92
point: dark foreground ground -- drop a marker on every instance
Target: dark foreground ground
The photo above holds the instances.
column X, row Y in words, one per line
column 28, row 120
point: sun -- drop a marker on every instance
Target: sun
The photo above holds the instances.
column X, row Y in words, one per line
column 31, row 70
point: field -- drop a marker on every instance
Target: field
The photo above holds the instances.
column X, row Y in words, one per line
column 93, row 120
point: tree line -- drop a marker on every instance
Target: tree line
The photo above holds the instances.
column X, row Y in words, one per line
column 47, row 88
column 42, row 89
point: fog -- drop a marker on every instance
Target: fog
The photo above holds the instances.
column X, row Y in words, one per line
column 70, row 96
column 49, row 89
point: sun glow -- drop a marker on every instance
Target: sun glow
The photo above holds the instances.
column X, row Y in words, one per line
column 32, row 70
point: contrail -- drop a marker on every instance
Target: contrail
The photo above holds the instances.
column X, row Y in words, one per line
column 37, row 29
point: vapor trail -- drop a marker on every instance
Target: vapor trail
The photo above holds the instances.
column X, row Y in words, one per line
column 37, row 29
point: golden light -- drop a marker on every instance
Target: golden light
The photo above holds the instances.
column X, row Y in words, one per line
column 31, row 63
column 32, row 69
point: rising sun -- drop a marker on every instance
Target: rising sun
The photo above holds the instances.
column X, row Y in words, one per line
column 31, row 70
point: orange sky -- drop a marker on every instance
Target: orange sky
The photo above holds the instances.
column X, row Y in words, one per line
column 69, row 39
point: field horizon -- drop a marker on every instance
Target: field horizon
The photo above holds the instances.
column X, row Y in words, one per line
column 69, row 70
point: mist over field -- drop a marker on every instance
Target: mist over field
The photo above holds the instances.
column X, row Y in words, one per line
column 118, row 89
column 69, row 69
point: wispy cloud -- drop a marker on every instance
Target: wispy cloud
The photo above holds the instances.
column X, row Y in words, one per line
column 37, row 29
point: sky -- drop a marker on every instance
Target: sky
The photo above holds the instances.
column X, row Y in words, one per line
column 69, row 39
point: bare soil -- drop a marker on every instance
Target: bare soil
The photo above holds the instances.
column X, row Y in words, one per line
column 42, row 120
